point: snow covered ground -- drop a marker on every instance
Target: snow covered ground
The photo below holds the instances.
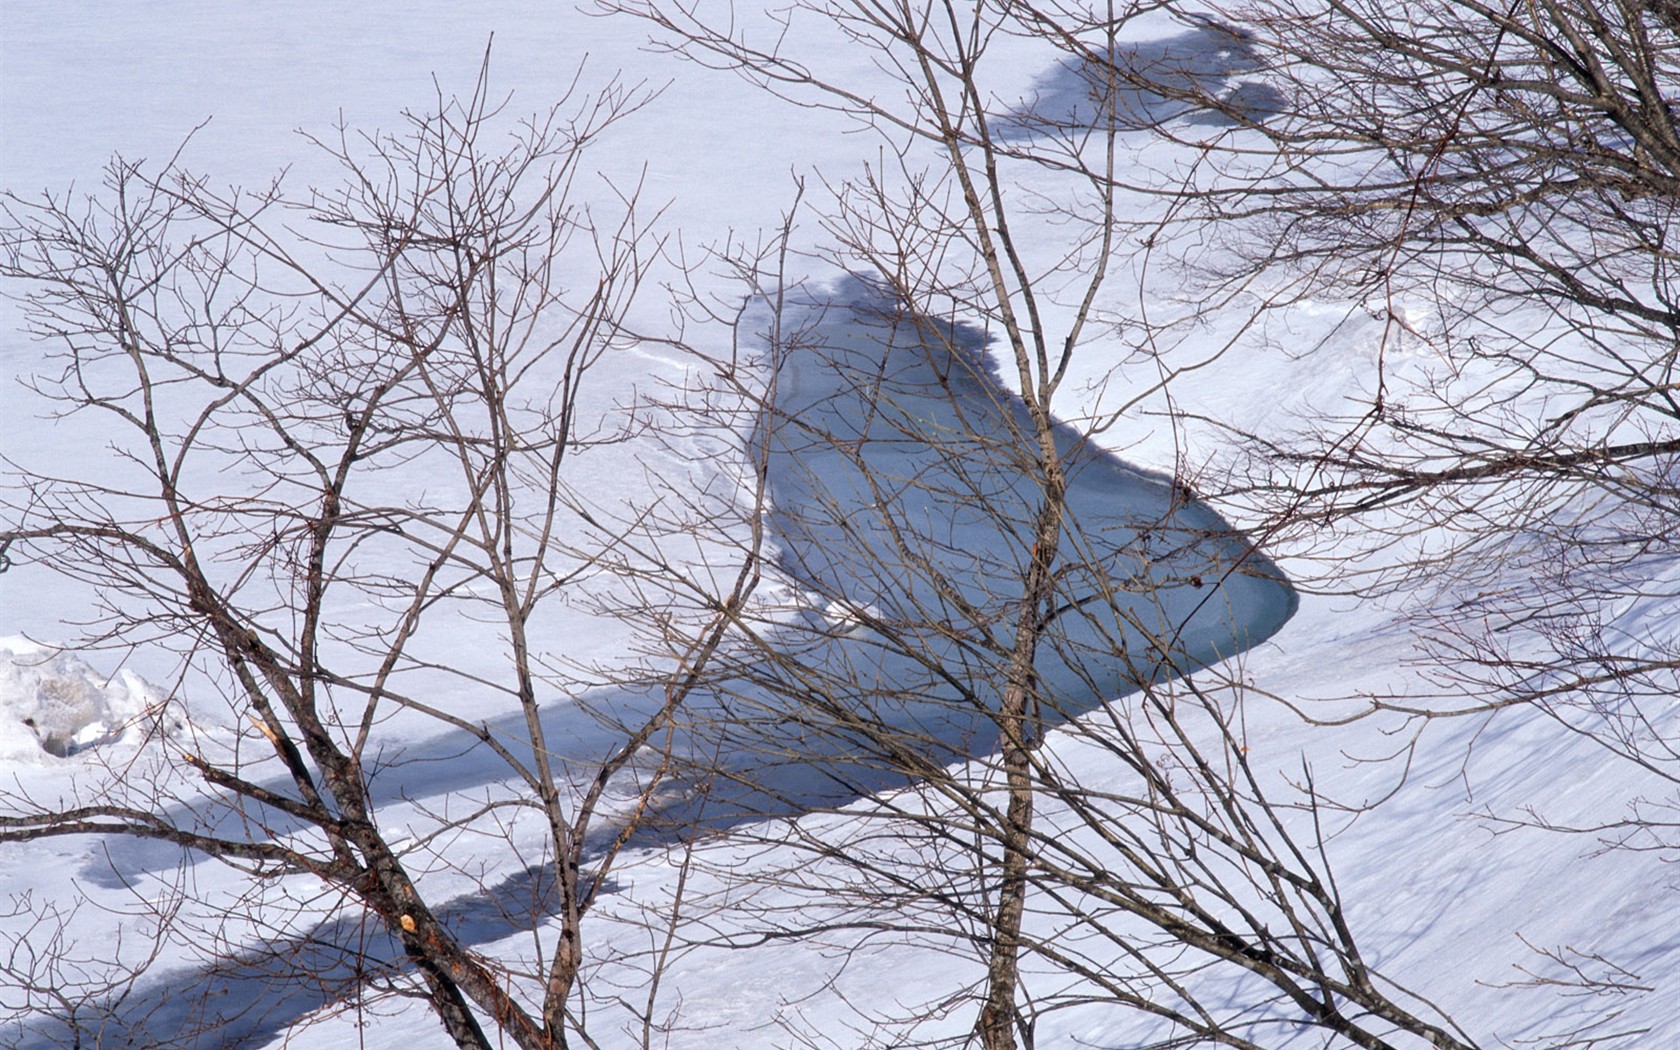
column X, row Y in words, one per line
column 1449, row 901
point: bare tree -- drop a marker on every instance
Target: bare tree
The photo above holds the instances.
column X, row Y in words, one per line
column 1490, row 190
column 972, row 573
column 341, row 423
column 393, row 392
column 1498, row 184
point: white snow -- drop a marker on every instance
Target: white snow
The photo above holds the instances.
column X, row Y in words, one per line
column 1452, row 901
column 53, row 703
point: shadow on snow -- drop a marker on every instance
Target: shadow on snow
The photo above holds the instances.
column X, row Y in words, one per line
column 903, row 480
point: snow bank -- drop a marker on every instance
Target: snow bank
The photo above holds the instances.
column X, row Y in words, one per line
column 52, row 703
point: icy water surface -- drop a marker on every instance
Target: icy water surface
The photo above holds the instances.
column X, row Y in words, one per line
column 903, row 481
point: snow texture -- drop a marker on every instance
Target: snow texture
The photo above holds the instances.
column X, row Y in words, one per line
column 1443, row 904
column 53, row 703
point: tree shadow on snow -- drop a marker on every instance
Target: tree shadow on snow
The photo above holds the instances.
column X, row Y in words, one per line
column 882, row 424
column 1207, row 76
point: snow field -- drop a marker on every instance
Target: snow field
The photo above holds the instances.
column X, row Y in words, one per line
column 1444, row 891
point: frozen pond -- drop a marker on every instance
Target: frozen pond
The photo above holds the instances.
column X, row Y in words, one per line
column 902, row 480
column 902, row 476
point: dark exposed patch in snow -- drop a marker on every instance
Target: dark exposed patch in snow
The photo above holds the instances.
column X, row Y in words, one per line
column 1148, row 83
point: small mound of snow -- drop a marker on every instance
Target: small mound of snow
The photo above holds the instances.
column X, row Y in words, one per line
column 844, row 617
column 53, row 702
